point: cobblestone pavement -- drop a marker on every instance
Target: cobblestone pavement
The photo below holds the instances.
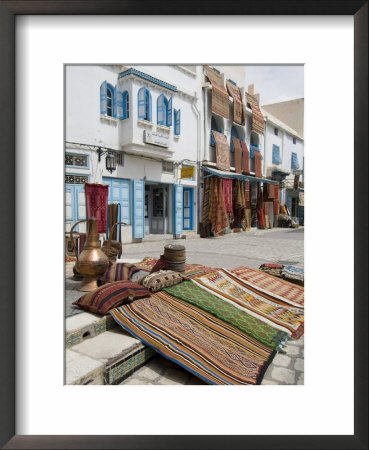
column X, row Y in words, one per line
column 284, row 246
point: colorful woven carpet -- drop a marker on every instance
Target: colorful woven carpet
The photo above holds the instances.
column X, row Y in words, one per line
column 227, row 194
column 97, row 204
column 257, row 123
column 218, row 213
column 204, row 345
column 283, row 291
column 230, row 313
column 245, row 159
column 257, row 164
column 147, row 263
column 237, row 155
column 219, row 96
column 238, row 107
column 222, row 151
column 284, row 318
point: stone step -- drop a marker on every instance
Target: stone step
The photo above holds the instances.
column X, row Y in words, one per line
column 86, row 325
column 107, row 358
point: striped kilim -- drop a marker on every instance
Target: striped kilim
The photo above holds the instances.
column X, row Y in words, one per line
column 257, row 123
column 191, row 293
column 219, row 96
column 286, row 292
column 238, row 107
column 237, row 155
column 222, row 151
column 199, row 342
column 223, row 284
column 258, row 172
column 147, row 263
column 245, row 159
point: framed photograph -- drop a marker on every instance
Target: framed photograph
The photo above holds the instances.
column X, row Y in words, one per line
column 38, row 41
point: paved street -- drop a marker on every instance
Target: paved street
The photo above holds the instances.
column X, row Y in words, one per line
column 279, row 245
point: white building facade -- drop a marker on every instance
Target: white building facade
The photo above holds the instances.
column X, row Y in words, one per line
column 154, row 121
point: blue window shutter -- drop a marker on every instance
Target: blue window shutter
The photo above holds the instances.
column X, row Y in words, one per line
column 138, row 208
column 141, row 99
column 177, row 208
column 160, row 109
column 103, row 109
column 177, row 122
column 294, row 161
column 148, row 96
column 276, row 157
column 169, row 112
column 115, row 99
column 119, row 104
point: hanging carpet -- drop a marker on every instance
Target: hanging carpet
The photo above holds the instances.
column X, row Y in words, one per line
column 219, row 218
column 257, row 122
column 221, row 151
column 237, row 155
column 257, row 164
column 245, row 159
column 97, row 204
column 227, row 194
column 219, row 95
column 238, row 107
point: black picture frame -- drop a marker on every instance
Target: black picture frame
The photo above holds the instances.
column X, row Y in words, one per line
column 8, row 11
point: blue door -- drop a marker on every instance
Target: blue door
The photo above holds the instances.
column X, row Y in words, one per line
column 119, row 192
column 75, row 206
column 177, row 209
column 138, row 208
column 188, row 208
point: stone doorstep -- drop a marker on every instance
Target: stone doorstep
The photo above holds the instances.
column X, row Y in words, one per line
column 86, row 325
column 106, row 359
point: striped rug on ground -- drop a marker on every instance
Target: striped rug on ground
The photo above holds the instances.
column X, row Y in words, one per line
column 266, row 308
column 191, row 293
column 284, row 291
column 199, row 342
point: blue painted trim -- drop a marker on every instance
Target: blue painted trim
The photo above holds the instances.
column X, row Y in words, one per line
column 190, row 189
column 216, row 70
column 276, row 155
column 233, row 82
column 146, row 77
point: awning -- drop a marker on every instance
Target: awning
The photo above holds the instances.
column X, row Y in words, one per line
column 223, row 174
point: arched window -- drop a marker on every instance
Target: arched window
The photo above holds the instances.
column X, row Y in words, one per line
column 214, row 127
column 107, row 99
column 234, row 134
column 144, row 104
column 164, row 111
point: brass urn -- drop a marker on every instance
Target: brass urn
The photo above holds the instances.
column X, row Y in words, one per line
column 92, row 262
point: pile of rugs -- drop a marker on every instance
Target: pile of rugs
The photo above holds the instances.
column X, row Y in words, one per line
column 292, row 274
column 224, row 326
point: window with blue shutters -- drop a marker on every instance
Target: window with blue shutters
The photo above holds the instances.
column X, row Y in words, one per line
column 276, row 156
column 234, row 134
column 144, row 104
column 214, row 127
column 109, row 100
column 164, row 111
column 177, row 122
column 126, row 104
column 294, row 161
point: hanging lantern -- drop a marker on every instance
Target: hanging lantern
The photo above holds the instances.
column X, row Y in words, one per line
column 110, row 162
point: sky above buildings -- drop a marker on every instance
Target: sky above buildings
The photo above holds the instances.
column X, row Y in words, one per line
column 276, row 83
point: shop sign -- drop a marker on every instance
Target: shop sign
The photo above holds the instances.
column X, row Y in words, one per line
column 151, row 137
column 187, row 172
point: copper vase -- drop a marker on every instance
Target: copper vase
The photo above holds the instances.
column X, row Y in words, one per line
column 92, row 262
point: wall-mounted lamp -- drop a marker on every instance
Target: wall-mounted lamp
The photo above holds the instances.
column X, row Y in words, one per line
column 110, row 162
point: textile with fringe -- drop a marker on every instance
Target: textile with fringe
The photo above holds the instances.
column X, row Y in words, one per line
column 238, row 107
column 219, row 95
column 221, row 151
